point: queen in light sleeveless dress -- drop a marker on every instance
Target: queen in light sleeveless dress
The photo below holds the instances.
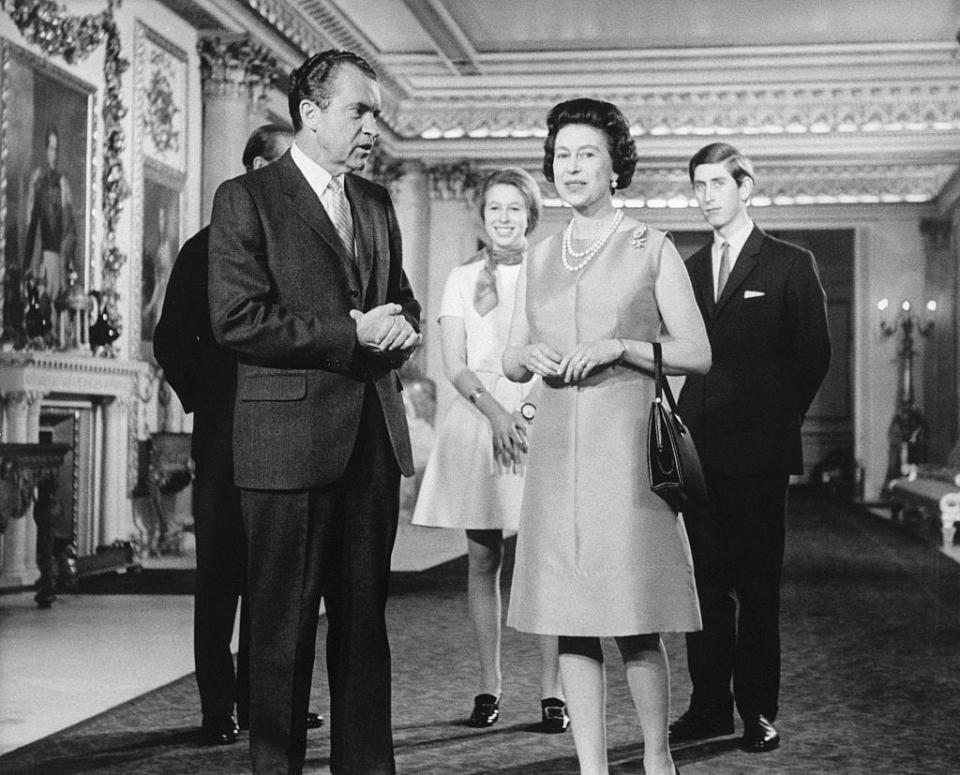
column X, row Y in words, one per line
column 598, row 553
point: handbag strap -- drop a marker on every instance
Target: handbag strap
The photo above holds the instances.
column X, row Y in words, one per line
column 663, row 386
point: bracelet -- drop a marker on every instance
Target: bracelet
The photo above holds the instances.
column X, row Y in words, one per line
column 472, row 398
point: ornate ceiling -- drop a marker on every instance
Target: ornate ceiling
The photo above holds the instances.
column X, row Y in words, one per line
column 855, row 101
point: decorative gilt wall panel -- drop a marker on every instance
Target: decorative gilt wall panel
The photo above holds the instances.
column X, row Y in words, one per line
column 160, row 154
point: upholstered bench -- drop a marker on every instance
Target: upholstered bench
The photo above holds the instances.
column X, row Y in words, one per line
column 929, row 492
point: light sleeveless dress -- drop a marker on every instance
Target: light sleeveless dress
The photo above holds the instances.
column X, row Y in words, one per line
column 463, row 486
column 598, row 554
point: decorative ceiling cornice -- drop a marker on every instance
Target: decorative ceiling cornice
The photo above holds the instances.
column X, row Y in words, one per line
column 700, row 111
column 316, row 25
column 799, row 184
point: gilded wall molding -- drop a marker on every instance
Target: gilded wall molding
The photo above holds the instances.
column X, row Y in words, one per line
column 46, row 24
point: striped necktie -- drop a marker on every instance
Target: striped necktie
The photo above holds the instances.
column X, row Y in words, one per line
column 724, row 268
column 339, row 212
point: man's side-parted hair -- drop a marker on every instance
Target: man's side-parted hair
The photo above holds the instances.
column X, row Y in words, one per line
column 604, row 116
column 738, row 165
column 313, row 79
column 264, row 142
column 524, row 183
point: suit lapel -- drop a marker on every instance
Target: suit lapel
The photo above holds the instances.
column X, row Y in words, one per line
column 746, row 261
column 304, row 201
column 364, row 220
column 701, row 277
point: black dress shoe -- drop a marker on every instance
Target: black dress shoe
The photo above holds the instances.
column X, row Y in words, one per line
column 700, row 726
column 553, row 715
column 759, row 735
column 219, row 730
column 486, row 711
column 314, row 720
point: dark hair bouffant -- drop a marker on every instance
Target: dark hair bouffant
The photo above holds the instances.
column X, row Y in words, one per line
column 604, row 116
column 313, row 80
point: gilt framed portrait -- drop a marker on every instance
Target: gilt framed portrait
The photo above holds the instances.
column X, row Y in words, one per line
column 46, row 154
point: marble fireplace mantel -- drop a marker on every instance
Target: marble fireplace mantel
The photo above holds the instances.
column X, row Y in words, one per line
column 109, row 392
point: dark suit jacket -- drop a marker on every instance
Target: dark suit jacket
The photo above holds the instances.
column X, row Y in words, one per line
column 281, row 290
column 771, row 348
column 202, row 373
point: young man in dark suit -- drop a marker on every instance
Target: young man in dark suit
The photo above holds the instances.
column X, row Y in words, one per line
column 307, row 288
column 204, row 377
column 765, row 311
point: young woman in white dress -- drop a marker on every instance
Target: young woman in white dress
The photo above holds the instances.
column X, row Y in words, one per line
column 474, row 477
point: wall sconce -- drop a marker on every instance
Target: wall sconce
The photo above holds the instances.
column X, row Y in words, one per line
column 906, row 319
column 906, row 435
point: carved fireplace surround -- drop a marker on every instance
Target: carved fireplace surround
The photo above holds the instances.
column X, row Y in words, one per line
column 101, row 397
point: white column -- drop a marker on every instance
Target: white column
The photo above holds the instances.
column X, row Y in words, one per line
column 19, row 567
column 412, row 202
column 115, row 503
column 453, row 238
column 236, row 74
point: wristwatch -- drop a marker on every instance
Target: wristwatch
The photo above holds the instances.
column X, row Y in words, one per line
column 528, row 411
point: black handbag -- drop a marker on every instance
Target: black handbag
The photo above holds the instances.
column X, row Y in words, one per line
column 672, row 460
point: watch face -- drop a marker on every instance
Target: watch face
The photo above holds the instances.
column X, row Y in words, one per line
column 528, row 411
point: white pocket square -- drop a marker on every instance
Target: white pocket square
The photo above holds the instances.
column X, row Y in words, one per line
column 753, row 294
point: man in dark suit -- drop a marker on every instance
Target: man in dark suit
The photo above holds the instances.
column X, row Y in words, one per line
column 307, row 289
column 765, row 312
column 204, row 377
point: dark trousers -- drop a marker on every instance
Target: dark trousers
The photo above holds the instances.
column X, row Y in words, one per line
column 221, row 573
column 738, row 558
column 332, row 543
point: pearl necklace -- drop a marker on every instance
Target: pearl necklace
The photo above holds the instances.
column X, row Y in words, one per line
column 566, row 248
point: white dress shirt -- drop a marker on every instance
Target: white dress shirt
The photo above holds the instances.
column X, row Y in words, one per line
column 736, row 241
column 317, row 176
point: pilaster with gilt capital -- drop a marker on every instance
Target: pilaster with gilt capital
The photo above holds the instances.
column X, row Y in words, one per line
column 235, row 66
column 455, row 180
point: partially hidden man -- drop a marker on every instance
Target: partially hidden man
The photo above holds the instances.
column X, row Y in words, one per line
column 204, row 377
column 307, row 288
column 765, row 312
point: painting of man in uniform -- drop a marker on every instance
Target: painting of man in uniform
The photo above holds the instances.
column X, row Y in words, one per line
column 47, row 141
column 50, row 249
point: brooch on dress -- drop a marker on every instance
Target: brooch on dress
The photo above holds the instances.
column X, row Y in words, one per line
column 640, row 236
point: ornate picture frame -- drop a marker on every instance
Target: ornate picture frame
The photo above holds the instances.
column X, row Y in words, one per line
column 160, row 148
column 47, row 170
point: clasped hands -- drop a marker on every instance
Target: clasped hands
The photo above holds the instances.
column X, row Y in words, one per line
column 542, row 359
column 386, row 329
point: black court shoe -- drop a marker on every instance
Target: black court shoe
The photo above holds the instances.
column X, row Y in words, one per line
column 219, row 730
column 486, row 711
column 553, row 715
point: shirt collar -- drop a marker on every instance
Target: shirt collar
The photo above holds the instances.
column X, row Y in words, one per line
column 316, row 176
column 736, row 240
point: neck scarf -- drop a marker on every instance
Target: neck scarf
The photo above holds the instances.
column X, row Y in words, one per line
column 485, row 296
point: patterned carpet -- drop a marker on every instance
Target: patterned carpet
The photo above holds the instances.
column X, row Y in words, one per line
column 871, row 679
